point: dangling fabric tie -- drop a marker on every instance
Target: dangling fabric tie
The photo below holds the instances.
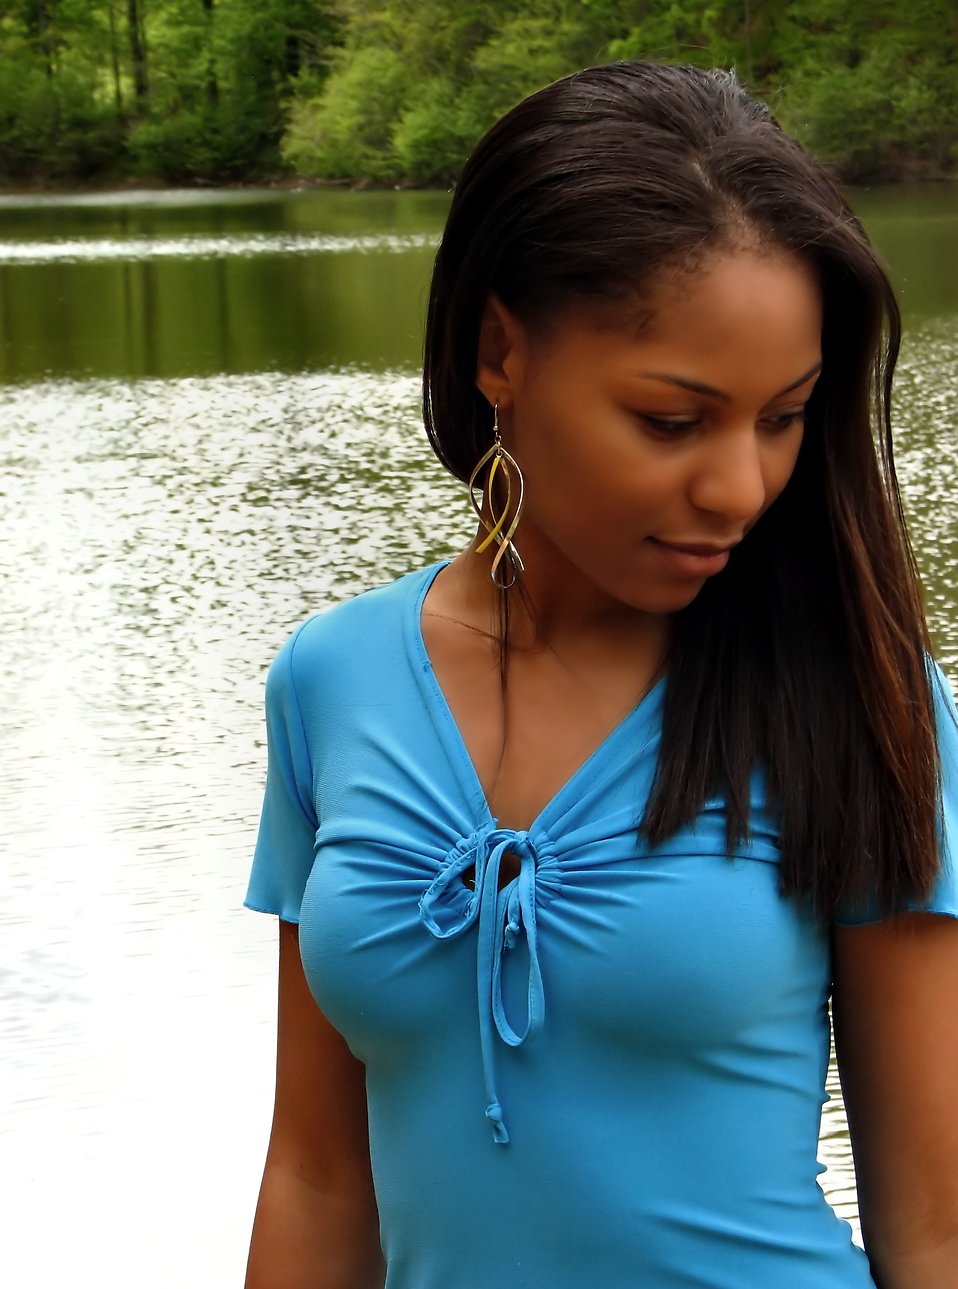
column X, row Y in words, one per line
column 505, row 918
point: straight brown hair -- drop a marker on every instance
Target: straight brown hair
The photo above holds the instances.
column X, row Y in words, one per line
column 808, row 657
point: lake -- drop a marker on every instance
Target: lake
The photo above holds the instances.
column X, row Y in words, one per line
column 209, row 428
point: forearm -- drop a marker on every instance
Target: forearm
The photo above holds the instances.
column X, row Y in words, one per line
column 931, row 1267
column 307, row 1238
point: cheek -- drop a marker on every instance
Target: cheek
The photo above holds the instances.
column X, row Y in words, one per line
column 780, row 465
column 584, row 451
column 589, row 489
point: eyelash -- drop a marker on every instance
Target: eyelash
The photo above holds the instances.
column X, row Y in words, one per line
column 785, row 420
column 782, row 421
column 661, row 426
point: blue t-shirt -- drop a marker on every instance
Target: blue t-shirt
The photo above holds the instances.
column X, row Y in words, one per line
column 611, row 1071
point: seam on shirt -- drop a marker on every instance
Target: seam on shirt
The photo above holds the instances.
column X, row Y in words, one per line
column 271, row 911
column 302, row 723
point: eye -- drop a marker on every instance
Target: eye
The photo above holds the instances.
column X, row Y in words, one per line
column 786, row 420
column 669, row 426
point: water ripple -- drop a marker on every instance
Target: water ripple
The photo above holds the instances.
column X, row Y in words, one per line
column 76, row 250
column 160, row 541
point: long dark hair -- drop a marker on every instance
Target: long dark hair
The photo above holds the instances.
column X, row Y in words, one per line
column 808, row 656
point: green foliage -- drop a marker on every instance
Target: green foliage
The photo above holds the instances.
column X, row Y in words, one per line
column 399, row 90
column 525, row 54
column 347, row 131
column 199, row 142
column 870, row 85
column 51, row 127
column 886, row 104
column 703, row 35
column 393, row 111
column 433, row 136
column 216, row 78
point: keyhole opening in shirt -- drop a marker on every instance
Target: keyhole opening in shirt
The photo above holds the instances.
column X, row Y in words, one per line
column 508, row 870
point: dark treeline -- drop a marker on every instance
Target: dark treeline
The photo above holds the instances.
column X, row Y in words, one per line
column 396, row 91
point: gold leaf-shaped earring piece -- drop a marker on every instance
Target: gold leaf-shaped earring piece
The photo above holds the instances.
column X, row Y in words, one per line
column 499, row 527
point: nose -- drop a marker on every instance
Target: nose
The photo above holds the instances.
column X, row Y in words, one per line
column 730, row 478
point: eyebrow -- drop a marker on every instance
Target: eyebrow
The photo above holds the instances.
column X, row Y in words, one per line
column 698, row 388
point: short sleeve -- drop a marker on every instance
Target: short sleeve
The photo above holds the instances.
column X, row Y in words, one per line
column 944, row 897
column 285, row 843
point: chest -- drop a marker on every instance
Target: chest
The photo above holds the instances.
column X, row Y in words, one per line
column 683, row 950
column 527, row 734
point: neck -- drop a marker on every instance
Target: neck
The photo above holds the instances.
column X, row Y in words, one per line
column 553, row 606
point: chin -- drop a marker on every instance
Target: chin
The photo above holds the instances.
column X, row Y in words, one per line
column 663, row 602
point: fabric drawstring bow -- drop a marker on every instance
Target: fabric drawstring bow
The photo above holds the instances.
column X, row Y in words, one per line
column 505, row 918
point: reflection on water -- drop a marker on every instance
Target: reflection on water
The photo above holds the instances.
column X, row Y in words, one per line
column 179, row 316
column 166, row 285
column 174, row 284
column 161, row 537
column 916, row 228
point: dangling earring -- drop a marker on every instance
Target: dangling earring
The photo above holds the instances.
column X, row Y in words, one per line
column 504, row 464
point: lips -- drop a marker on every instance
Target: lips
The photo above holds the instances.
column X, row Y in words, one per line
column 695, row 548
column 692, row 559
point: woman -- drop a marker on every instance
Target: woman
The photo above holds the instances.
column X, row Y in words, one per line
column 582, row 828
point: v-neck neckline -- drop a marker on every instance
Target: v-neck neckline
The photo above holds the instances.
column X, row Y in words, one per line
column 451, row 737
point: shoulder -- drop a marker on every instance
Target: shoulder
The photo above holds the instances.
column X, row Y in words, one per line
column 363, row 637
column 943, row 898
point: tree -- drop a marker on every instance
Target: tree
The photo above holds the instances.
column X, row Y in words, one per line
column 134, row 25
column 399, row 90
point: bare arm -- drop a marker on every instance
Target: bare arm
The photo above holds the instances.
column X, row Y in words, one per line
column 896, row 1034
column 316, row 1224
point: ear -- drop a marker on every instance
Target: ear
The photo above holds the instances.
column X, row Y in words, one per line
column 502, row 352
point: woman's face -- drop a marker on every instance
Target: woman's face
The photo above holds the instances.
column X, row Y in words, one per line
column 647, row 456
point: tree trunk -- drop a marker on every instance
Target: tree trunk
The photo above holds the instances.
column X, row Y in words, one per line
column 212, row 84
column 134, row 23
column 292, row 60
column 38, row 23
column 115, row 62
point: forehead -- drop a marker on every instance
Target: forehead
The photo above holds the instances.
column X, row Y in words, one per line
column 754, row 277
column 741, row 310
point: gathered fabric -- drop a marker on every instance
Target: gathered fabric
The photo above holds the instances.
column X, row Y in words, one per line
column 504, row 916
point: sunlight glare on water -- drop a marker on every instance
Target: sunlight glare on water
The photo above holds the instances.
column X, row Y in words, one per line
column 76, row 250
column 162, row 538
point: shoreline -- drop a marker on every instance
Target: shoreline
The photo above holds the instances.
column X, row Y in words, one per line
column 276, row 183
column 117, row 186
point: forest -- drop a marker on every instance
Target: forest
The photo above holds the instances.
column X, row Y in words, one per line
column 397, row 91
